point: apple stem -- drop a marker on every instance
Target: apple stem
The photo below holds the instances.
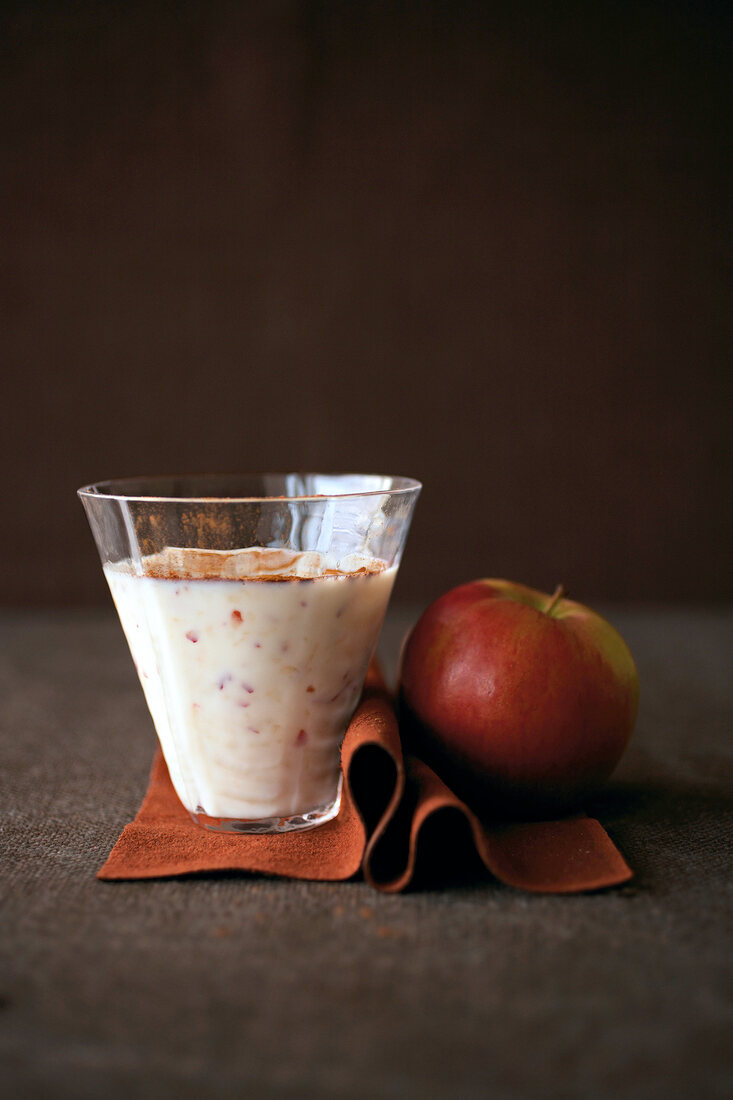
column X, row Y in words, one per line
column 556, row 595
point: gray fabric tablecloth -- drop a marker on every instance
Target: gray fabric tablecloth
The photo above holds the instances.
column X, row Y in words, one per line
column 242, row 985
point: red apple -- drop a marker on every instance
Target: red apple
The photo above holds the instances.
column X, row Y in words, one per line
column 521, row 701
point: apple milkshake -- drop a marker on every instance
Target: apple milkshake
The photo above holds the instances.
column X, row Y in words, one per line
column 252, row 662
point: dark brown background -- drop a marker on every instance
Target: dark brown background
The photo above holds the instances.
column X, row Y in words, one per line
column 487, row 249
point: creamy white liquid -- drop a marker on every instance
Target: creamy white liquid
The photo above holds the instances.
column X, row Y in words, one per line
column 251, row 680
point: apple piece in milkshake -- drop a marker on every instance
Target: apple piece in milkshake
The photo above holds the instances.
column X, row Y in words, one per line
column 252, row 662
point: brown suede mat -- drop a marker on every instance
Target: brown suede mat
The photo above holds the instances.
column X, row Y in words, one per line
column 396, row 818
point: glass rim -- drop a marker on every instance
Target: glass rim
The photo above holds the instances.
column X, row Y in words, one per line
column 104, row 490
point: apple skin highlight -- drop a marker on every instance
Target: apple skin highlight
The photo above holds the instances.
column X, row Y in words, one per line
column 520, row 709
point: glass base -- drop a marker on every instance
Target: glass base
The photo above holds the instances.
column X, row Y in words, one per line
column 308, row 819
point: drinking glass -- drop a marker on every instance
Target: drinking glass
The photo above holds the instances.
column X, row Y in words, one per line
column 252, row 606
